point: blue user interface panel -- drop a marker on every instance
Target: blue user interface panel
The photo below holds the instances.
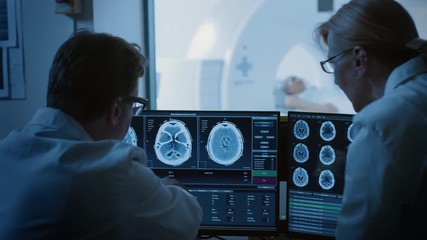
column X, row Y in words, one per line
column 317, row 150
column 227, row 159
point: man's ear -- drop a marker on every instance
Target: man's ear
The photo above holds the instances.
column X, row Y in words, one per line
column 360, row 61
column 114, row 111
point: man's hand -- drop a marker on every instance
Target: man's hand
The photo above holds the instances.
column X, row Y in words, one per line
column 170, row 181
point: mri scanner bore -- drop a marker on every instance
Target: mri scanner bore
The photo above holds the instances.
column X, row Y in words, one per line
column 225, row 143
column 173, row 143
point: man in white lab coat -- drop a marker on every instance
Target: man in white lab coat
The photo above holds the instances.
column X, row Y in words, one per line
column 67, row 174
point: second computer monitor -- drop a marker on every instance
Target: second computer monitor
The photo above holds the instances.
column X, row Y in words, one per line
column 317, row 149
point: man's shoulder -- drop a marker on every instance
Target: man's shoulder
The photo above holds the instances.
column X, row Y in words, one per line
column 70, row 153
column 103, row 154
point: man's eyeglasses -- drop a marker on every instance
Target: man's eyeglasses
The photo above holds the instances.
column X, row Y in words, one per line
column 139, row 103
column 328, row 66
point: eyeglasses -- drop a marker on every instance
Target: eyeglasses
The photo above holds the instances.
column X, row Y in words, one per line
column 139, row 103
column 328, row 66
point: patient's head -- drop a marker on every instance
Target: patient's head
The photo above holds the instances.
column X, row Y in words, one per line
column 293, row 85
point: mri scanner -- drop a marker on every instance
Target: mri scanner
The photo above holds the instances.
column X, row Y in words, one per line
column 238, row 50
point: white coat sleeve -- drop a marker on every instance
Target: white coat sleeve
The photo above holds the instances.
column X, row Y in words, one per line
column 151, row 210
column 372, row 190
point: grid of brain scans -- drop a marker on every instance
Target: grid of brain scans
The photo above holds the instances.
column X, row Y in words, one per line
column 226, row 159
column 317, row 146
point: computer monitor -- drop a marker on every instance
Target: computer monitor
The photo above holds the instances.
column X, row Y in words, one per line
column 317, row 151
column 226, row 159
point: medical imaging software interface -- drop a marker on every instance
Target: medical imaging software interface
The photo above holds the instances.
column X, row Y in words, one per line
column 317, row 155
column 227, row 159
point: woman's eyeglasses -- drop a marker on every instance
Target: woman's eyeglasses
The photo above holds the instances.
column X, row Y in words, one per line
column 328, row 66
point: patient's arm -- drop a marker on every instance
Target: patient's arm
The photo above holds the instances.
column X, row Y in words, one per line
column 295, row 102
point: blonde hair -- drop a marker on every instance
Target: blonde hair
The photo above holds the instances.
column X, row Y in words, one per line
column 375, row 24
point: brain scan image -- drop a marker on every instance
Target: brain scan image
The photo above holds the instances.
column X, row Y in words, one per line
column 173, row 143
column 301, row 130
column 131, row 137
column 350, row 133
column 327, row 155
column 301, row 153
column 300, row 177
column 326, row 179
column 327, row 131
column 225, row 143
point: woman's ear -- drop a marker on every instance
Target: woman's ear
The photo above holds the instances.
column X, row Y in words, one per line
column 114, row 111
column 360, row 61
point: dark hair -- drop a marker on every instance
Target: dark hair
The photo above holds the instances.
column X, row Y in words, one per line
column 383, row 27
column 89, row 70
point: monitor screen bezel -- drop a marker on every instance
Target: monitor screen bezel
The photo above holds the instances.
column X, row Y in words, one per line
column 283, row 171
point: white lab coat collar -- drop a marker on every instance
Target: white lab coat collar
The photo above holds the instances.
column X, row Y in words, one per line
column 55, row 118
column 405, row 72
